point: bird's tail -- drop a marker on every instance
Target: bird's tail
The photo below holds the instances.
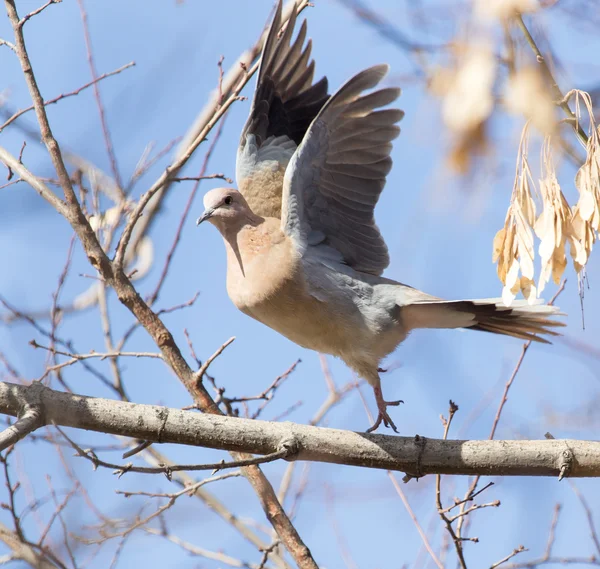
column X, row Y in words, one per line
column 520, row 320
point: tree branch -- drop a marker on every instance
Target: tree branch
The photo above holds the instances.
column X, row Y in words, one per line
column 24, row 551
column 114, row 276
column 405, row 454
column 29, row 420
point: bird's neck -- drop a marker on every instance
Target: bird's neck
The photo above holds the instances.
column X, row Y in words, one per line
column 233, row 227
column 251, row 240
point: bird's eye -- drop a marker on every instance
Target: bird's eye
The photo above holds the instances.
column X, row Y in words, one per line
column 228, row 200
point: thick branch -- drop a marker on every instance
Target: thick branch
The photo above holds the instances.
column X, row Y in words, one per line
column 114, row 276
column 416, row 455
column 29, row 420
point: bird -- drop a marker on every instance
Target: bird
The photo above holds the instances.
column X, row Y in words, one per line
column 304, row 255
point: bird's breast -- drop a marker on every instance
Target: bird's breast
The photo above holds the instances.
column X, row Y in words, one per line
column 265, row 280
column 261, row 265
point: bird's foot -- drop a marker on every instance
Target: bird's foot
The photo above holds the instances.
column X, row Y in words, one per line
column 383, row 416
column 381, row 370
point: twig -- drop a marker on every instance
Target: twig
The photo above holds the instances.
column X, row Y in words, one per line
column 285, row 452
column 145, row 163
column 154, row 296
column 204, row 367
column 201, row 552
column 184, row 480
column 188, row 490
column 200, row 178
column 335, row 396
column 516, row 551
column 588, row 515
column 11, row 183
column 438, row 495
column 59, row 515
column 229, row 89
column 105, row 130
column 557, row 93
column 503, row 400
column 404, row 499
column 469, row 499
column 413, row 517
column 74, row 358
column 8, row 44
column 552, row 532
column 18, row 114
column 12, row 490
column 159, row 511
column 266, row 552
column 37, row 11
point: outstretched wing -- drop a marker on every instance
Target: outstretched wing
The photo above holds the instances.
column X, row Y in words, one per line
column 285, row 103
column 334, row 179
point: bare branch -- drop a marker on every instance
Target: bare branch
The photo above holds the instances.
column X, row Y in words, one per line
column 286, row 451
column 228, row 90
column 438, row 495
column 406, row 454
column 516, row 551
column 105, row 130
column 20, row 113
column 37, row 11
column 28, row 421
column 153, row 456
column 412, row 515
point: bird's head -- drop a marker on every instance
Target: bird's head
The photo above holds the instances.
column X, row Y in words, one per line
column 224, row 207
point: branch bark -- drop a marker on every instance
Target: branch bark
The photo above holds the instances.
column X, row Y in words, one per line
column 113, row 274
column 416, row 455
column 29, row 420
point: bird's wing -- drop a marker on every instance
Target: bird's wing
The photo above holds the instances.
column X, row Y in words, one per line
column 285, row 103
column 335, row 177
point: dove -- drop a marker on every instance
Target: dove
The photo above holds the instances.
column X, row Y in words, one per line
column 304, row 255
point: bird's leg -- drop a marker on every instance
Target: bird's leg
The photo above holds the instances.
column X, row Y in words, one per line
column 383, row 416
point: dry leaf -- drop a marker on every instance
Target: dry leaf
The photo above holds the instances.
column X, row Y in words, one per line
column 504, row 9
column 469, row 99
column 582, row 231
column 527, row 94
column 528, row 289
column 553, row 224
column 513, row 245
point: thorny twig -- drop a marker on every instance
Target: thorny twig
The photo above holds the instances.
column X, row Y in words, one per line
column 285, row 452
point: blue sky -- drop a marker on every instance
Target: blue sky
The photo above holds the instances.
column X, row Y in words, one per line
column 439, row 229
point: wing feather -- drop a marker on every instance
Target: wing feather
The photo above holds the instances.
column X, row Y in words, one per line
column 334, row 180
column 285, row 103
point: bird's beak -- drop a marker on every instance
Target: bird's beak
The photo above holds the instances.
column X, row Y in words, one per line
column 207, row 213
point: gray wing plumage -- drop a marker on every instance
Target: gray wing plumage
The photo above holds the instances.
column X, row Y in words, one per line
column 338, row 172
column 285, row 103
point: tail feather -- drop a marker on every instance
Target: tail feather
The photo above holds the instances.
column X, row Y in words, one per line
column 521, row 320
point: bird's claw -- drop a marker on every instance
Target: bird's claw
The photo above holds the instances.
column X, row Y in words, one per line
column 383, row 416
